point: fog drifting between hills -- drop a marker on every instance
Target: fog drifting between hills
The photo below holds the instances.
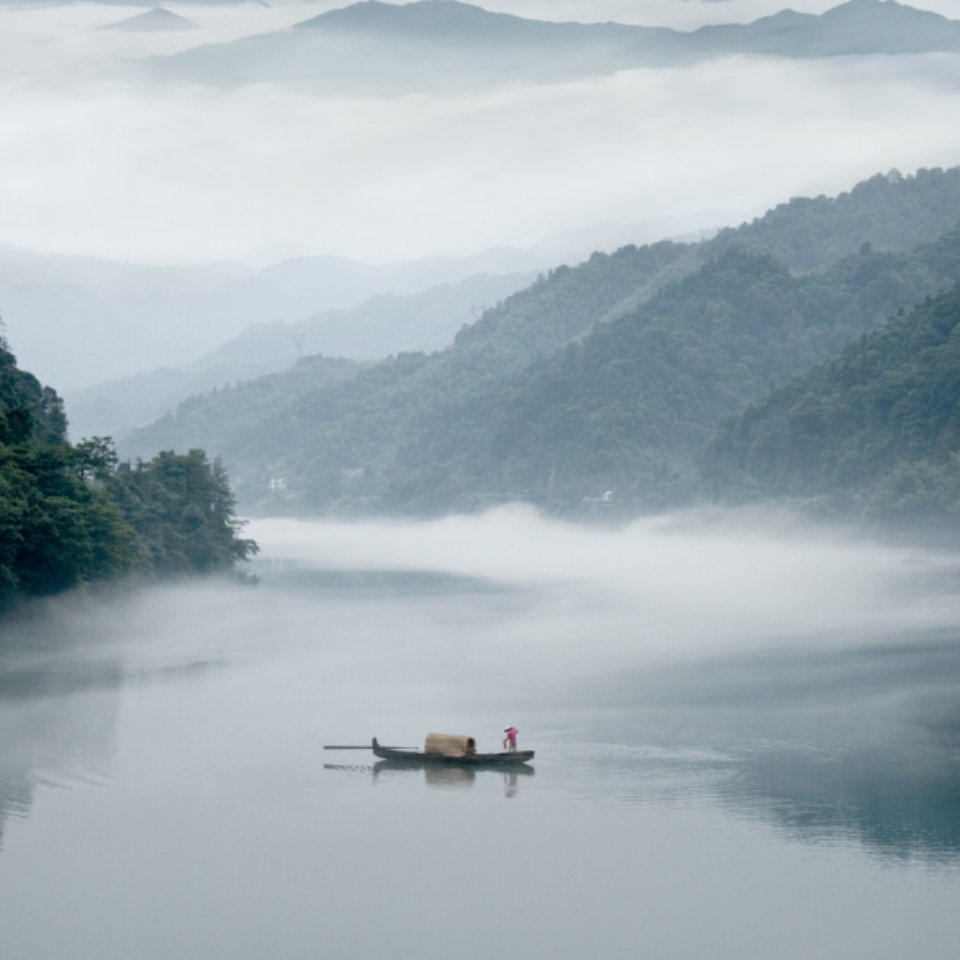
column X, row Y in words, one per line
column 183, row 174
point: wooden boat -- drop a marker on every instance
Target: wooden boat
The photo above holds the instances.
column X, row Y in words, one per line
column 406, row 755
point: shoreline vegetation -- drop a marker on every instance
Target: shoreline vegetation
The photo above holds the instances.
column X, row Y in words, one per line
column 74, row 514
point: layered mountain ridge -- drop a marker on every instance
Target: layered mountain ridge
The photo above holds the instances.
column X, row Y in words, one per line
column 604, row 380
column 451, row 48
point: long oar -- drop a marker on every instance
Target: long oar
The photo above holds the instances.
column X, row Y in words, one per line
column 359, row 746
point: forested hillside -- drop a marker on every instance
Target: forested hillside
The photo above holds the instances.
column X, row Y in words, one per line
column 873, row 434
column 630, row 407
column 600, row 383
column 72, row 514
column 385, row 324
column 238, row 420
column 889, row 211
column 272, row 426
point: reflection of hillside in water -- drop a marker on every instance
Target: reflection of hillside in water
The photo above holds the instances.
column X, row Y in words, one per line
column 859, row 745
column 60, row 680
column 58, row 707
column 53, row 729
column 896, row 805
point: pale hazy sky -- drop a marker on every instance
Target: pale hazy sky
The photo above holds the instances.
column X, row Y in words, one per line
column 259, row 174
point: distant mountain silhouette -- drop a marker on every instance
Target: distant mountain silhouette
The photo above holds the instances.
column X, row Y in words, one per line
column 158, row 19
column 385, row 324
column 112, row 319
column 462, row 23
column 444, row 46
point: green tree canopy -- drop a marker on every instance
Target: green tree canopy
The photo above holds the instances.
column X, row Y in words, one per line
column 71, row 515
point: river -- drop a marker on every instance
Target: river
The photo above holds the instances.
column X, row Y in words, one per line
column 747, row 739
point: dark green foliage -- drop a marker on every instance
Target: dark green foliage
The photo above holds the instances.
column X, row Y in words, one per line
column 56, row 529
column 181, row 507
column 26, row 408
column 874, row 433
column 70, row 515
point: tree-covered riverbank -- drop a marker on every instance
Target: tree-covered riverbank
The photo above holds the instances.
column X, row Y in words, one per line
column 73, row 514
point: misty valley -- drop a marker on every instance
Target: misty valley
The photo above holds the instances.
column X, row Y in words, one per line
column 480, row 479
column 745, row 742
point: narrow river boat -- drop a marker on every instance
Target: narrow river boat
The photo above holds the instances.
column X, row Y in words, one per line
column 454, row 751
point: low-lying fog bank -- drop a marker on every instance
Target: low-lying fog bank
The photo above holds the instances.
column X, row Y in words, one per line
column 511, row 586
column 688, row 583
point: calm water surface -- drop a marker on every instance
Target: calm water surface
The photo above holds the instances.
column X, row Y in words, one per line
column 747, row 747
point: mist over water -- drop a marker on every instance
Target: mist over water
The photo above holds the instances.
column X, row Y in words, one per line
column 678, row 586
column 741, row 724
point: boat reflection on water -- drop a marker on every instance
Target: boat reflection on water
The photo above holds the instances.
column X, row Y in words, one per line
column 434, row 775
column 441, row 775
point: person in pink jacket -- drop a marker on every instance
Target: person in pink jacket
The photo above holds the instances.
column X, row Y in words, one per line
column 510, row 740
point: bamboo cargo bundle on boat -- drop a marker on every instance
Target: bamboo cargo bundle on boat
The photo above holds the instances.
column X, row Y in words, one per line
column 449, row 745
